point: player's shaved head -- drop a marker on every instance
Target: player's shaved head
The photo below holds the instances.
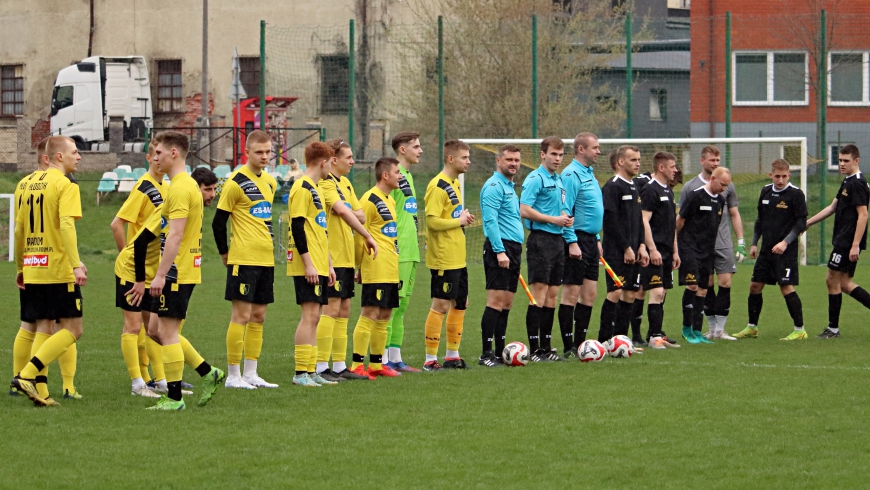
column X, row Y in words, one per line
column 453, row 147
column 722, row 174
column 583, row 140
column 383, row 166
column 257, row 137
column 662, row 158
column 57, row 144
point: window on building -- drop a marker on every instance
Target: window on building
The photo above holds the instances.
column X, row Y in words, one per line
column 771, row 78
column 334, row 80
column 249, row 74
column 834, row 155
column 169, row 94
column 658, row 104
column 11, row 90
column 606, row 103
column 562, row 7
column 849, row 79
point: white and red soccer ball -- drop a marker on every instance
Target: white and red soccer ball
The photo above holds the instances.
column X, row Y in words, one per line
column 619, row 346
column 515, row 354
column 591, row 351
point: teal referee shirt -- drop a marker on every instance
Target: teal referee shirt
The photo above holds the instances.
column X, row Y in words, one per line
column 500, row 208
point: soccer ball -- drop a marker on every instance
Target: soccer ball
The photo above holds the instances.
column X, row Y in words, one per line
column 515, row 354
column 620, row 346
column 591, row 351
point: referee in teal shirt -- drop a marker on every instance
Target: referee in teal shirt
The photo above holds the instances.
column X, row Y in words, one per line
column 502, row 251
column 545, row 214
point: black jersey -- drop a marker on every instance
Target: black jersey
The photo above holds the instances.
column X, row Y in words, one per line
column 623, row 225
column 779, row 211
column 641, row 181
column 702, row 213
column 852, row 194
column 659, row 199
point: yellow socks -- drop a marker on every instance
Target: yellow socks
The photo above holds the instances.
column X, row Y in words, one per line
column 312, row 358
column 68, row 361
column 155, row 353
column 325, row 328
column 130, row 350
column 302, row 353
column 173, row 362
column 362, row 335
column 339, row 340
column 433, row 333
column 191, row 356
column 143, row 355
column 53, row 347
column 21, row 350
column 41, row 376
column 378, row 344
column 235, row 343
column 253, row 341
column 455, row 321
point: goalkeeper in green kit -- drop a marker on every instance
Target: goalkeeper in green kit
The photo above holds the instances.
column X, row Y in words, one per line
column 407, row 147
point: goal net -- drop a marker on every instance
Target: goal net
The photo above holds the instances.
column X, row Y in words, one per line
column 748, row 159
column 7, row 226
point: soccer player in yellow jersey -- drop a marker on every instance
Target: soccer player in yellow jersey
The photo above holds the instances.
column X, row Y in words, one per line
column 46, row 254
column 179, row 270
column 379, row 274
column 24, row 345
column 308, row 260
column 143, row 202
column 344, row 216
column 246, row 200
column 445, row 257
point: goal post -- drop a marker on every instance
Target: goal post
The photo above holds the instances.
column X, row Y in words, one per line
column 748, row 159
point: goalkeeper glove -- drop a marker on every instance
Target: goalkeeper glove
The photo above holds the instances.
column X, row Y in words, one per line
column 741, row 250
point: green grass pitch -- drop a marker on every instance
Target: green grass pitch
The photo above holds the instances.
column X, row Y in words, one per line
column 747, row 414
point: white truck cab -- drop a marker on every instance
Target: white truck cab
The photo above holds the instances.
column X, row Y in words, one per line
column 87, row 93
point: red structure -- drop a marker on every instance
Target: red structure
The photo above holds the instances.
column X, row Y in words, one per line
column 276, row 116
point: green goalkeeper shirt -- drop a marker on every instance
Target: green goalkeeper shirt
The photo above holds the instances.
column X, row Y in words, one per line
column 406, row 209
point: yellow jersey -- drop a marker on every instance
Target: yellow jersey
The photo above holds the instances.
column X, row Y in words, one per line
column 142, row 202
column 125, row 266
column 445, row 249
column 380, row 210
column 306, row 202
column 45, row 198
column 184, row 200
column 248, row 198
column 337, row 189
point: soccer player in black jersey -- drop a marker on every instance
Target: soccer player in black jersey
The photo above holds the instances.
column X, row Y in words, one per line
column 640, row 181
column 697, row 227
column 624, row 249
column 782, row 217
column 850, row 237
column 659, row 221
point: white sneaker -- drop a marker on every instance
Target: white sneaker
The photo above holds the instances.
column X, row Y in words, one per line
column 711, row 334
column 657, row 343
column 144, row 391
column 258, row 382
column 724, row 336
column 161, row 390
column 238, row 382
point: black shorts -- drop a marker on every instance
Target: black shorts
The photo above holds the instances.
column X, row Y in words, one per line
column 174, row 300
column 121, row 287
column 343, row 287
column 311, row 293
column 840, row 262
column 250, row 283
column 450, row 284
column 658, row 276
column 498, row 278
column 628, row 274
column 382, row 295
column 545, row 256
column 22, row 299
column 585, row 268
column 52, row 301
column 695, row 270
column 773, row 269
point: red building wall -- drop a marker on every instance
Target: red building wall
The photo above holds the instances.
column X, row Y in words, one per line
column 769, row 25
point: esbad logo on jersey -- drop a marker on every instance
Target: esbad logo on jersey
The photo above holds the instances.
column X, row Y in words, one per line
column 411, row 205
column 457, row 211
column 261, row 209
column 36, row 260
column 321, row 219
column 197, row 261
column 390, row 230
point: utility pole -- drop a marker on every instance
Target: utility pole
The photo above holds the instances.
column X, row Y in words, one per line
column 204, row 99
